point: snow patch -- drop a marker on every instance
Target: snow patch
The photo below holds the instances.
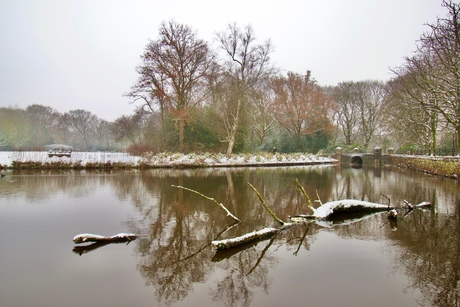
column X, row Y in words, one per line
column 332, row 207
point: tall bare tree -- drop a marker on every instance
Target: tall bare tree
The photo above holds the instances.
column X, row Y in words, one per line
column 435, row 68
column 345, row 95
column 246, row 66
column 370, row 106
column 260, row 114
column 411, row 120
column 82, row 124
column 43, row 120
column 300, row 105
column 173, row 73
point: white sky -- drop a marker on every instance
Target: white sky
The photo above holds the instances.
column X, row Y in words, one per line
column 82, row 54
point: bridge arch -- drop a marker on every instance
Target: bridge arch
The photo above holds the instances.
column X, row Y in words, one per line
column 356, row 161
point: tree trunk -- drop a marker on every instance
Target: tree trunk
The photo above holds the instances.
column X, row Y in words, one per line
column 233, row 131
column 181, row 133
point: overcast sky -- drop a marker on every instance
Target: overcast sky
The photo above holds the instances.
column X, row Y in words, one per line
column 82, row 54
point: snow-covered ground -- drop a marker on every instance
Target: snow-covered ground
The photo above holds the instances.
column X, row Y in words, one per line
column 164, row 159
column 7, row 157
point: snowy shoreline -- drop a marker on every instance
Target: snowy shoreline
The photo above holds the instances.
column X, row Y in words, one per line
column 41, row 160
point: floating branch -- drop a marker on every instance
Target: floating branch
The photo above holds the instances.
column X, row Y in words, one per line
column 255, row 235
column 302, row 190
column 118, row 238
column 334, row 208
column 277, row 219
column 319, row 199
column 211, row 199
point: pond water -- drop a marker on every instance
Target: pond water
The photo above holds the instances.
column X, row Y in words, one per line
column 369, row 262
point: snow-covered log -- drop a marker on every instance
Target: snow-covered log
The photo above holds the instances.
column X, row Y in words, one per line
column 118, row 238
column 255, row 235
column 335, row 208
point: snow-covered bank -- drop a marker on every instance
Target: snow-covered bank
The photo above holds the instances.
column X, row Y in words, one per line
column 85, row 159
column 77, row 158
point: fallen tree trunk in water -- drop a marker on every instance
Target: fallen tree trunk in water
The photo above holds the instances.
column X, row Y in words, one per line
column 326, row 211
column 249, row 237
column 118, row 238
column 332, row 209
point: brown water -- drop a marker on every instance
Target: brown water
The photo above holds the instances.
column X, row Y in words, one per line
column 366, row 263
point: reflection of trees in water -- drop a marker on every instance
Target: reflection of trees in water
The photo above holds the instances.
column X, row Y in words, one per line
column 430, row 256
column 430, row 240
column 46, row 184
column 181, row 226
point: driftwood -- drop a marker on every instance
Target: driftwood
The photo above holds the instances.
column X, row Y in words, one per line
column 118, row 238
column 338, row 208
column 327, row 211
column 249, row 237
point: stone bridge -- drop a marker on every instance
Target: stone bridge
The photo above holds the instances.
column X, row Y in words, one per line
column 357, row 159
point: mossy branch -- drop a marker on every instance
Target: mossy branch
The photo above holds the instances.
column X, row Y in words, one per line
column 277, row 219
column 211, row 199
column 310, row 205
column 319, row 199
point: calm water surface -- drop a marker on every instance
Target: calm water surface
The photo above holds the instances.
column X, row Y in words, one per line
column 369, row 262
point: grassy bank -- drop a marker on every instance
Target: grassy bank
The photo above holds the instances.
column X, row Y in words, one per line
column 443, row 167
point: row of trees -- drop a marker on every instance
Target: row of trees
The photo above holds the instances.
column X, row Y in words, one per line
column 191, row 97
column 426, row 90
column 38, row 125
column 235, row 98
column 246, row 103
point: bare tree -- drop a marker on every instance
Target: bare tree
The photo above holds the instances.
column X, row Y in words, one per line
column 435, row 68
column 260, row 114
column 411, row 120
column 345, row 95
column 370, row 107
column 172, row 73
column 43, row 120
column 103, row 135
column 246, row 66
column 300, row 105
column 83, row 124
column 132, row 128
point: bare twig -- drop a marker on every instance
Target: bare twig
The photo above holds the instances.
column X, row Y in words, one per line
column 277, row 219
column 211, row 199
column 319, row 199
column 389, row 200
column 302, row 190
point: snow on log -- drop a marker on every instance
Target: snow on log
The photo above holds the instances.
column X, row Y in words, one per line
column 329, row 209
column 228, row 243
column 118, row 238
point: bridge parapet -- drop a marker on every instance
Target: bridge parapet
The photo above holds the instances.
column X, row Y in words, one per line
column 357, row 159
